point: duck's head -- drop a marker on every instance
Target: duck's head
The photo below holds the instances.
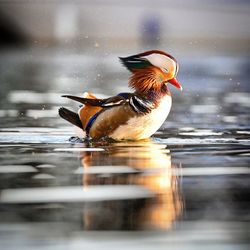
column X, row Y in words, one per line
column 151, row 70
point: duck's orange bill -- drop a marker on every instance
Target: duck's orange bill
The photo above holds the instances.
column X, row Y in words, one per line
column 174, row 82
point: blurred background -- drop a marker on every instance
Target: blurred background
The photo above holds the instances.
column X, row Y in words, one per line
column 72, row 46
column 190, row 27
column 188, row 186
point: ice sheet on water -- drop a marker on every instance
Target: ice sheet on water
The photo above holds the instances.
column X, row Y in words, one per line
column 105, row 170
column 61, row 130
column 43, row 176
column 32, row 97
column 78, row 149
column 206, row 171
column 244, row 132
column 45, row 166
column 207, row 109
column 242, row 98
column 35, row 135
column 8, row 113
column 74, row 194
column 36, row 113
column 200, row 132
column 4, row 169
column 195, row 141
column 33, row 138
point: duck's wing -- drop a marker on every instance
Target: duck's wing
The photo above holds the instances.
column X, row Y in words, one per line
column 137, row 103
column 91, row 107
column 108, row 102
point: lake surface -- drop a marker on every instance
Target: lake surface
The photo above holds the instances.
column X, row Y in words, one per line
column 188, row 186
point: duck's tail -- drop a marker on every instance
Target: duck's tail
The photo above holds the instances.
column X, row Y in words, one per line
column 84, row 113
column 70, row 116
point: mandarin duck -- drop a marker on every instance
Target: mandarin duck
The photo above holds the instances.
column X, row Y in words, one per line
column 130, row 116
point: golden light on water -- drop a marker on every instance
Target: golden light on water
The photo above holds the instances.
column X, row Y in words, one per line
column 153, row 170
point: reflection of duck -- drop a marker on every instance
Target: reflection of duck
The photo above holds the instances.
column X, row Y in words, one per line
column 130, row 116
column 152, row 168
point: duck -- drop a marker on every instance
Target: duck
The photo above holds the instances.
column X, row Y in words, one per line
column 130, row 116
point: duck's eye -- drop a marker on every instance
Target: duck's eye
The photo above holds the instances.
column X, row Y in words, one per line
column 164, row 70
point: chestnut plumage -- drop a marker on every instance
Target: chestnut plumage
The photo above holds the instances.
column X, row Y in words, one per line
column 130, row 116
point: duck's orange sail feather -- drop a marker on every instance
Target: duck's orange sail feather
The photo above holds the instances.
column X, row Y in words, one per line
column 87, row 111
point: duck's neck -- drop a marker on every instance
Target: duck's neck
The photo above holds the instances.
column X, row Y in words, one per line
column 155, row 95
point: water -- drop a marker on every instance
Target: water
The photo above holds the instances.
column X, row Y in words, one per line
column 186, row 187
